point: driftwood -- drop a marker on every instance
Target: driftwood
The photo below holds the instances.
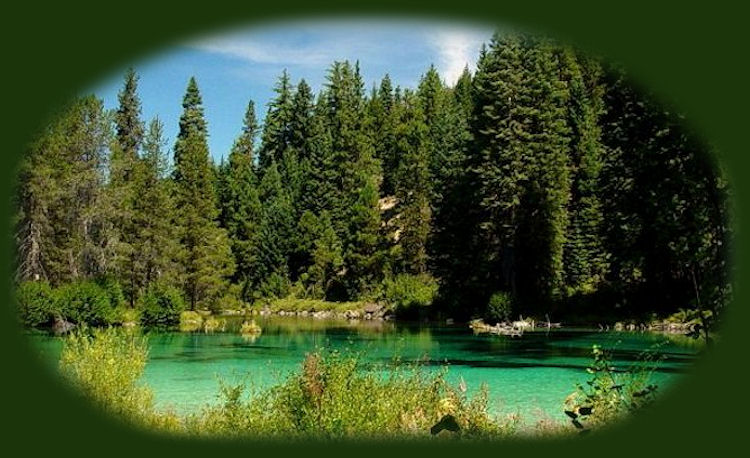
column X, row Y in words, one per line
column 504, row 329
column 512, row 329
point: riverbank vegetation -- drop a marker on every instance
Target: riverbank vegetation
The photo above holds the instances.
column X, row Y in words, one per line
column 335, row 396
column 543, row 183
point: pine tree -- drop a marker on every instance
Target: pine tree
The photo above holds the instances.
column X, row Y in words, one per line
column 277, row 134
column 240, row 203
column 276, row 229
column 64, row 223
column 584, row 258
column 546, row 192
column 121, row 189
column 207, row 255
column 154, row 215
column 497, row 168
column 130, row 128
column 320, row 189
column 413, row 187
column 300, row 125
column 327, row 258
column 522, row 176
column 381, row 112
column 355, row 214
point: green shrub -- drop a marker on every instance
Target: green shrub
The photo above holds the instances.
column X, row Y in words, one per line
column 231, row 300
column 190, row 321
column 500, row 307
column 333, row 396
column 113, row 289
column 275, row 285
column 106, row 365
column 161, row 306
column 125, row 314
column 405, row 291
column 36, row 304
column 609, row 394
column 85, row 302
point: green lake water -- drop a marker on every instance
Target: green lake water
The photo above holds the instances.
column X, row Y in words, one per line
column 530, row 375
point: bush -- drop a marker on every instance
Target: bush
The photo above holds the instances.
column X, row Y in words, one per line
column 113, row 289
column 275, row 285
column 36, row 304
column 609, row 394
column 85, row 302
column 106, row 366
column 333, row 396
column 161, row 306
column 125, row 314
column 405, row 291
column 231, row 300
column 500, row 307
column 190, row 321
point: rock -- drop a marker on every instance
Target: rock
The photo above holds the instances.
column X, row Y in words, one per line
column 62, row 326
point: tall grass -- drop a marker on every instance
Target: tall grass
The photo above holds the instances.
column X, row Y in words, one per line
column 332, row 396
column 106, row 364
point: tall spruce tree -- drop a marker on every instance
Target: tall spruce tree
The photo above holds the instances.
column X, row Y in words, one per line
column 277, row 133
column 240, row 204
column 275, row 232
column 522, row 176
column 381, row 113
column 121, row 191
column 155, row 243
column 355, row 215
column 584, row 257
column 206, row 252
column 413, row 184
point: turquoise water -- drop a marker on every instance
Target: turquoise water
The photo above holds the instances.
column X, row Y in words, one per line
column 530, row 375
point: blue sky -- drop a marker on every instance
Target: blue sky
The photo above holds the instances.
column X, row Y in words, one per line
column 242, row 64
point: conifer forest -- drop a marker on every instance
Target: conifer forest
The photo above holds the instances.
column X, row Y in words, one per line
column 543, row 183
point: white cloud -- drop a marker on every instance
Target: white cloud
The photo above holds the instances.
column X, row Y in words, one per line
column 381, row 46
column 252, row 50
column 457, row 49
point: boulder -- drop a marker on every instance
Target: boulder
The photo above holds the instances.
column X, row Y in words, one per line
column 62, row 326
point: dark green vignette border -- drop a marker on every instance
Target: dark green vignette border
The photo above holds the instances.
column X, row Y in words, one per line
column 692, row 55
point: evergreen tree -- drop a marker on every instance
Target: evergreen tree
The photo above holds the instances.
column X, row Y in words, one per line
column 320, row 188
column 381, row 114
column 584, row 258
column 355, row 215
column 413, row 185
column 207, row 255
column 277, row 133
column 128, row 122
column 276, row 230
column 121, row 190
column 327, row 258
column 522, row 176
column 300, row 125
column 155, row 244
column 240, row 203
column 63, row 224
